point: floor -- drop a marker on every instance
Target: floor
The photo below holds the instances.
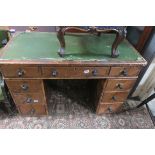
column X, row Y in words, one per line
column 67, row 111
column 80, row 118
column 151, row 109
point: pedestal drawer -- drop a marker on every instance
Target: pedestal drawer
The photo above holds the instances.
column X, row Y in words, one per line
column 111, row 97
column 125, row 71
column 108, row 108
column 32, row 98
column 25, row 86
column 32, row 110
column 119, row 84
column 75, row 72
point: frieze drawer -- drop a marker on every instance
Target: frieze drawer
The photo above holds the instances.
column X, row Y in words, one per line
column 21, row 72
column 75, row 72
column 132, row 71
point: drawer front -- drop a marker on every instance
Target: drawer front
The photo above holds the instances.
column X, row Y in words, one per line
column 113, row 97
column 75, row 72
column 32, row 110
column 25, row 86
column 33, row 98
column 124, row 71
column 108, row 108
column 21, row 72
column 119, row 84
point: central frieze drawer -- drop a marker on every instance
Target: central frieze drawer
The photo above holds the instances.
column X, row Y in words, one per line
column 79, row 72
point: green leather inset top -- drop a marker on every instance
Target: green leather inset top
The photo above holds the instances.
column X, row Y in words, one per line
column 44, row 46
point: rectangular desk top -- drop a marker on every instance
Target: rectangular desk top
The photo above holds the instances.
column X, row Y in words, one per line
column 42, row 47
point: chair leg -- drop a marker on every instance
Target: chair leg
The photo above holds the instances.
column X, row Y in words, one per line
column 120, row 35
column 146, row 101
column 60, row 36
column 98, row 34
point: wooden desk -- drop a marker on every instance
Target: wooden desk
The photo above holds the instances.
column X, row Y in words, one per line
column 30, row 58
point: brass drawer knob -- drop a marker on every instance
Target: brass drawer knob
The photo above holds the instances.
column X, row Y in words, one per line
column 54, row 73
column 25, row 87
column 114, row 98
column 124, row 72
column 29, row 100
column 110, row 109
column 20, row 72
column 94, row 72
column 32, row 112
column 119, row 85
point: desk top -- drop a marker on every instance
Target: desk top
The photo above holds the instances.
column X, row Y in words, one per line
column 42, row 47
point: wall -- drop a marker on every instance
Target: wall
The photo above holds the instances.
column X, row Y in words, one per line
column 40, row 28
column 147, row 82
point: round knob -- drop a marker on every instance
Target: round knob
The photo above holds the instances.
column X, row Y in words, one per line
column 24, row 87
column 29, row 100
column 119, row 85
column 20, row 72
column 32, row 112
column 94, row 72
column 114, row 98
column 54, row 73
column 124, row 73
column 110, row 109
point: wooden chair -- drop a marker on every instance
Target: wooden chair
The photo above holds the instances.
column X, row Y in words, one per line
column 119, row 30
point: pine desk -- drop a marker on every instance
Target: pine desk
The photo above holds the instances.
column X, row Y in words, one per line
column 31, row 58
